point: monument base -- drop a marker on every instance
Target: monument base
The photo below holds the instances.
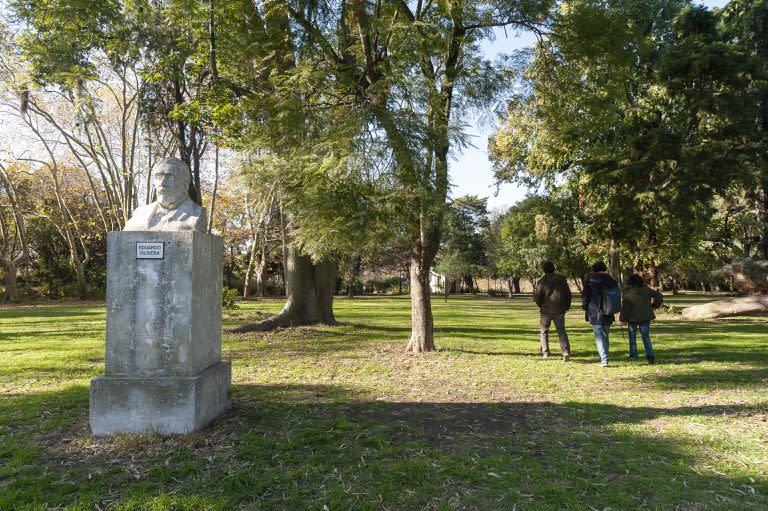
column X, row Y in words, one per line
column 169, row 405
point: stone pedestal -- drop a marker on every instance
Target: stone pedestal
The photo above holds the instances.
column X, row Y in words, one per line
column 164, row 372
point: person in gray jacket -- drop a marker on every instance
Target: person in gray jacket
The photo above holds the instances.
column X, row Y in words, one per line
column 553, row 296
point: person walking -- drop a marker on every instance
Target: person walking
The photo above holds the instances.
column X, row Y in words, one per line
column 599, row 304
column 553, row 296
column 638, row 302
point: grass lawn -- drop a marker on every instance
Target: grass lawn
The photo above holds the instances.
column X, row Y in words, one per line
column 342, row 418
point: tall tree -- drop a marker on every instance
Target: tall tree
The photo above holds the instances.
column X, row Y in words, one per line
column 13, row 233
column 412, row 71
column 462, row 252
column 746, row 23
column 627, row 102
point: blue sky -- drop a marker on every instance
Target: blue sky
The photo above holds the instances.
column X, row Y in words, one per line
column 470, row 171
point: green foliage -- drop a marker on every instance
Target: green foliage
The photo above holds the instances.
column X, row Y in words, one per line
column 229, row 298
column 462, row 252
column 645, row 110
column 543, row 228
column 63, row 35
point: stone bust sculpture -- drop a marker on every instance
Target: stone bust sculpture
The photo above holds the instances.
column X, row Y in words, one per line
column 173, row 210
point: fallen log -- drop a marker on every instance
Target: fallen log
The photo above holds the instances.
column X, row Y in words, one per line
column 746, row 306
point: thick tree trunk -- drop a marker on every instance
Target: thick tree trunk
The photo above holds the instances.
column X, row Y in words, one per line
column 764, row 215
column 82, row 289
column 653, row 270
column 309, row 294
column 357, row 265
column 748, row 306
column 261, row 276
column 11, row 292
column 422, row 325
column 653, row 273
column 249, row 270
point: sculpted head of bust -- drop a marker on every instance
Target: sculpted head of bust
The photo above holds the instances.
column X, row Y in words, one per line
column 173, row 210
column 171, row 180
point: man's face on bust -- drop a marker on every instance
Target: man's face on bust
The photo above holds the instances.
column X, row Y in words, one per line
column 170, row 185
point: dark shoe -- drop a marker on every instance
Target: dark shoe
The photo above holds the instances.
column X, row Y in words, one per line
column 651, row 360
column 633, row 359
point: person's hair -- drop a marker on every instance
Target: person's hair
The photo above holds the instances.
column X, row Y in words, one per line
column 599, row 266
column 179, row 168
column 548, row 267
column 635, row 280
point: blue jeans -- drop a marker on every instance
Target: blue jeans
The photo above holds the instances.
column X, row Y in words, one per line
column 601, row 339
column 645, row 333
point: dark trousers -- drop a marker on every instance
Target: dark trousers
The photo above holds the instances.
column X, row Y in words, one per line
column 559, row 321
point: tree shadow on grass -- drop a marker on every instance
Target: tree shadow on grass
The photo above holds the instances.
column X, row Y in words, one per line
column 309, row 446
column 707, row 328
column 707, row 352
column 714, row 379
column 506, row 353
column 50, row 311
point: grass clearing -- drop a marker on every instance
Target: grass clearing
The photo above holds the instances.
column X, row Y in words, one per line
column 341, row 417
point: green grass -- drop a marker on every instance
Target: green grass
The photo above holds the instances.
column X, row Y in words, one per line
column 342, row 418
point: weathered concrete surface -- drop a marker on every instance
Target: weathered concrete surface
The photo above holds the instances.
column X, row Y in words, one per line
column 163, row 336
column 164, row 405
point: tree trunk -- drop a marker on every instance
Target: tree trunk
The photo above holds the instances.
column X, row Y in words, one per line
column 309, row 290
column 250, row 267
column 614, row 263
column 256, row 270
column 763, row 206
column 215, row 188
column 261, row 275
column 11, row 291
column 764, row 215
column 82, row 289
column 516, row 283
column 422, row 325
column 578, row 283
column 357, row 265
column 748, row 306
column 653, row 272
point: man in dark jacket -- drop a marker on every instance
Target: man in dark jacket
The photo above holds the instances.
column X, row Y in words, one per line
column 592, row 301
column 553, row 296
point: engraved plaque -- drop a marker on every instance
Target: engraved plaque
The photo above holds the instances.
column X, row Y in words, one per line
column 150, row 250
